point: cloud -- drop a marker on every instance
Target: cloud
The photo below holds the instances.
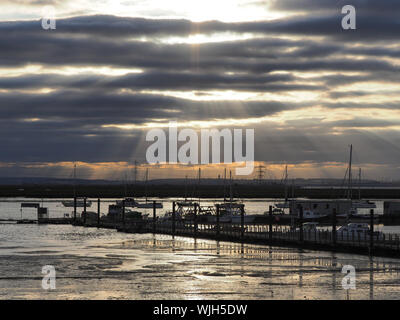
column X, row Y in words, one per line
column 300, row 79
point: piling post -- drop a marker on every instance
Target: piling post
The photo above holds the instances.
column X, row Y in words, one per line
column 84, row 211
column 270, row 224
column 218, row 228
column 74, row 209
column 196, row 207
column 371, row 235
column 301, row 223
column 173, row 217
column 154, row 217
column 98, row 213
column 334, row 227
column 242, row 221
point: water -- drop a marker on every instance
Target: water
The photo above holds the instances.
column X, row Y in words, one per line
column 94, row 263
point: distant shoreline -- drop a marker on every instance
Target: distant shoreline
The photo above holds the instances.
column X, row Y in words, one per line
column 202, row 191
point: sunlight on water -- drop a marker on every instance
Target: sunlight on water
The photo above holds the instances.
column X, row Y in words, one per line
column 96, row 263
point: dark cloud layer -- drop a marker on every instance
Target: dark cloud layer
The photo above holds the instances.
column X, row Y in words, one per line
column 67, row 123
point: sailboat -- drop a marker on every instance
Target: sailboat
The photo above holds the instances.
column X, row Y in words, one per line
column 230, row 210
column 147, row 204
column 80, row 202
column 359, row 204
column 284, row 205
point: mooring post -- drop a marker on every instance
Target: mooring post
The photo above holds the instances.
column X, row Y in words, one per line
column 74, row 209
column 301, row 223
column 270, row 223
column 173, row 218
column 123, row 213
column 196, row 207
column 242, row 221
column 154, row 217
column 98, row 213
column 334, row 227
column 371, row 236
column 218, row 228
column 84, row 211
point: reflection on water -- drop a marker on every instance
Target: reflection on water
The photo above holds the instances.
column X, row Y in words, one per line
column 105, row 264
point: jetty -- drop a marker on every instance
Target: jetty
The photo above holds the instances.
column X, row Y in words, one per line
column 269, row 232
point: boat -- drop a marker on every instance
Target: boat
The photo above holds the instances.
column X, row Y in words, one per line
column 230, row 211
column 128, row 202
column 80, row 203
column 149, row 205
column 132, row 203
column 309, row 226
column 357, row 230
column 313, row 215
column 168, row 217
column 116, row 212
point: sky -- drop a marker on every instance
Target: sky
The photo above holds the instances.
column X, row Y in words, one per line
column 89, row 91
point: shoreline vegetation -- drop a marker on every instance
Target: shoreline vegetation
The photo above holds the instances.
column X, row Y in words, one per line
column 255, row 191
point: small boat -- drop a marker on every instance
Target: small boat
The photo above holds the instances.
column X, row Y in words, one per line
column 116, row 212
column 357, row 230
column 80, row 203
column 313, row 215
column 149, row 205
column 309, row 226
column 132, row 203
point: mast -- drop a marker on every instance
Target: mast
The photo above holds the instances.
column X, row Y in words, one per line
column 199, row 183
column 135, row 171
column 74, row 180
column 292, row 188
column 359, row 183
column 147, row 179
column 286, row 189
column 225, row 185
column 126, row 185
column 350, row 196
column 230, row 186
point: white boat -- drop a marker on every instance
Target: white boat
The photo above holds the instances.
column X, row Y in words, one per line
column 364, row 204
column 311, row 215
column 356, row 231
column 80, row 203
column 309, row 226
